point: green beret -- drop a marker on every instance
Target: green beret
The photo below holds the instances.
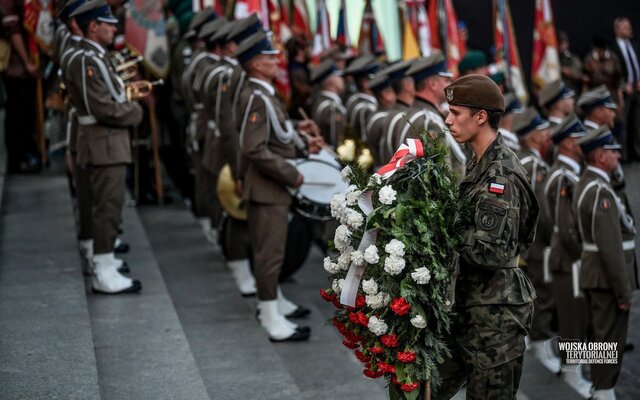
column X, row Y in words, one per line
column 477, row 91
column 472, row 60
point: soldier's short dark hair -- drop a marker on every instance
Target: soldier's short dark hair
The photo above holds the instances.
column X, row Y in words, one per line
column 493, row 117
column 84, row 28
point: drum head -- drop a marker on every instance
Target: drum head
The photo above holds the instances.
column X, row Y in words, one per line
column 321, row 181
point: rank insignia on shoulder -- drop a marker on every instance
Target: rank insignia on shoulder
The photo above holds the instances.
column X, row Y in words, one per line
column 90, row 71
column 497, row 188
column 604, row 204
column 253, row 117
column 224, row 87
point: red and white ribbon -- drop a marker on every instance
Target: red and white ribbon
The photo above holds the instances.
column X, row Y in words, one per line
column 406, row 152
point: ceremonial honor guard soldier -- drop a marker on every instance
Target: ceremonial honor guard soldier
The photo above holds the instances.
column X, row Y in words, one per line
column 559, row 191
column 598, row 108
column 380, row 85
column 268, row 141
column 104, row 116
column 556, row 101
column 493, row 297
column 534, row 134
column 405, row 90
column 512, row 106
column 430, row 76
column 362, row 104
column 327, row 110
column 608, row 273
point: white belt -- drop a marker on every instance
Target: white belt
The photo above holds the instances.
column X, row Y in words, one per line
column 87, row 120
column 593, row 248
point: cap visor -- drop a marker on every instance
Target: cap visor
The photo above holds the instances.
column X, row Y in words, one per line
column 543, row 125
column 577, row 134
column 108, row 19
column 270, row 52
column 569, row 93
column 613, row 106
column 190, row 34
column 616, row 146
column 445, row 74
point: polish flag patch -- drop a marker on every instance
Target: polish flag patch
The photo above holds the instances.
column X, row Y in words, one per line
column 497, row 188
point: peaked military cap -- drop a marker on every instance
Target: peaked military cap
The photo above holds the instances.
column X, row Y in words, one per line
column 512, row 104
column 379, row 82
column 528, row 121
column 201, row 18
column 222, row 34
column 69, row 8
column 324, row 70
column 571, row 126
column 598, row 97
column 397, row 71
column 477, row 91
column 257, row 44
column 601, row 137
column 210, row 28
column 552, row 92
column 245, row 28
column 425, row 67
column 98, row 10
column 472, row 60
column 363, row 66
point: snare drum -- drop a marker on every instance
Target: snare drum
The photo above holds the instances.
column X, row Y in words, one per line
column 322, row 180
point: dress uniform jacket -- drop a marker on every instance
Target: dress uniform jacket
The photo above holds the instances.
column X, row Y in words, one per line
column 60, row 38
column 214, row 82
column 608, row 233
column 396, row 116
column 330, row 115
column 263, row 145
column 104, row 114
column 229, row 123
column 360, row 107
column 425, row 116
column 375, row 132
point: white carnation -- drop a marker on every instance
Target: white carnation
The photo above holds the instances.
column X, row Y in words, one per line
column 346, row 171
column 377, row 300
column 375, row 180
column 357, row 258
column 330, row 267
column 338, row 205
column 418, row 322
column 421, row 275
column 395, row 248
column 377, row 326
column 371, row 254
column 353, row 196
column 370, row 286
column 394, row 265
column 387, row 195
column 344, row 260
column 354, row 219
column 337, row 285
column 341, row 240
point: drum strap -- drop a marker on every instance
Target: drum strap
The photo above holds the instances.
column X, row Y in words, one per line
column 284, row 135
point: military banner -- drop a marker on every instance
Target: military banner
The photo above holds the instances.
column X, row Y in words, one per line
column 145, row 34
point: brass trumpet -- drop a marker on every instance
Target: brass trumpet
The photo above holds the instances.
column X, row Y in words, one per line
column 354, row 150
column 140, row 89
column 129, row 69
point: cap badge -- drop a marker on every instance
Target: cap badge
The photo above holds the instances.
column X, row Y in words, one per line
column 449, row 94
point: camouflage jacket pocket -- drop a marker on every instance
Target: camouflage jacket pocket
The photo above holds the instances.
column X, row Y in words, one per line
column 501, row 354
column 490, row 218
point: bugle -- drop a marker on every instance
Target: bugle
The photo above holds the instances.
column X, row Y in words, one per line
column 140, row 89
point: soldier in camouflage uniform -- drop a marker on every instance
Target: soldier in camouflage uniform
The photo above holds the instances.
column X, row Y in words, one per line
column 494, row 298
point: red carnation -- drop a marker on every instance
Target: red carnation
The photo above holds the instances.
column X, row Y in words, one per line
column 327, row 297
column 390, row 340
column 362, row 357
column 360, row 301
column 350, row 344
column 409, row 387
column 371, row 374
column 406, row 356
column 376, row 350
column 400, row 306
column 394, row 379
column 386, row 367
column 359, row 318
column 352, row 337
column 336, row 303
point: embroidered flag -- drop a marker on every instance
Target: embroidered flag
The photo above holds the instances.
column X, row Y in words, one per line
column 497, row 188
column 546, row 64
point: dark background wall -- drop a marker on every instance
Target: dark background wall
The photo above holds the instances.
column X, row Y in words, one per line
column 581, row 19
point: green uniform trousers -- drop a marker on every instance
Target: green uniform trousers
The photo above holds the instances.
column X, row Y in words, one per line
column 108, row 186
column 608, row 324
column 237, row 245
column 572, row 312
column 268, row 225
column 543, row 304
column 487, row 346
